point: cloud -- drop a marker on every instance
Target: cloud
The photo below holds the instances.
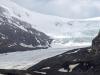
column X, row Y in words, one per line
column 64, row 8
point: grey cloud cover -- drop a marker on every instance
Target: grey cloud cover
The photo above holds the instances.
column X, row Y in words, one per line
column 64, row 8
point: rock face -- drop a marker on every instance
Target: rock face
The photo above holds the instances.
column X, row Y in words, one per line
column 17, row 35
column 96, row 44
column 75, row 62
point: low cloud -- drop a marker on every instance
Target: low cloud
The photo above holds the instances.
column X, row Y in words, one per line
column 64, row 8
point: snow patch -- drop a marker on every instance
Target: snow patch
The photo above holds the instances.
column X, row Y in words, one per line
column 46, row 68
column 73, row 52
column 62, row 70
column 1, row 74
column 25, row 45
column 22, row 28
column 89, row 50
column 3, row 37
column 40, row 72
column 72, row 67
column 11, row 45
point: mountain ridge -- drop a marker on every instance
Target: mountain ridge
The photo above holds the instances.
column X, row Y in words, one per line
column 18, row 35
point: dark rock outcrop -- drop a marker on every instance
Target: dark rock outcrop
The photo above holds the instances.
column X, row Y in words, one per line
column 17, row 35
column 96, row 44
column 16, row 72
column 82, row 61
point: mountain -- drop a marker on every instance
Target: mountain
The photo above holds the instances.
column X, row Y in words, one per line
column 16, row 34
column 59, row 28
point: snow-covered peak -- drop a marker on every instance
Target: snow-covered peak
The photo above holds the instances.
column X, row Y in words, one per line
column 26, row 15
column 39, row 21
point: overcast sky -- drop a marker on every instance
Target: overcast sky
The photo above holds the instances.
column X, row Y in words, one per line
column 64, row 8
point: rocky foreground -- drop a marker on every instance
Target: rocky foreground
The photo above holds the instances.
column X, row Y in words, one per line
column 82, row 61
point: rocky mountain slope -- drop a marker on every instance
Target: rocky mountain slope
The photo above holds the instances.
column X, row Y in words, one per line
column 18, row 35
column 82, row 61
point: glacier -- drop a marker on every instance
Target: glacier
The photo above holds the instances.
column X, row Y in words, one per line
column 24, row 60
